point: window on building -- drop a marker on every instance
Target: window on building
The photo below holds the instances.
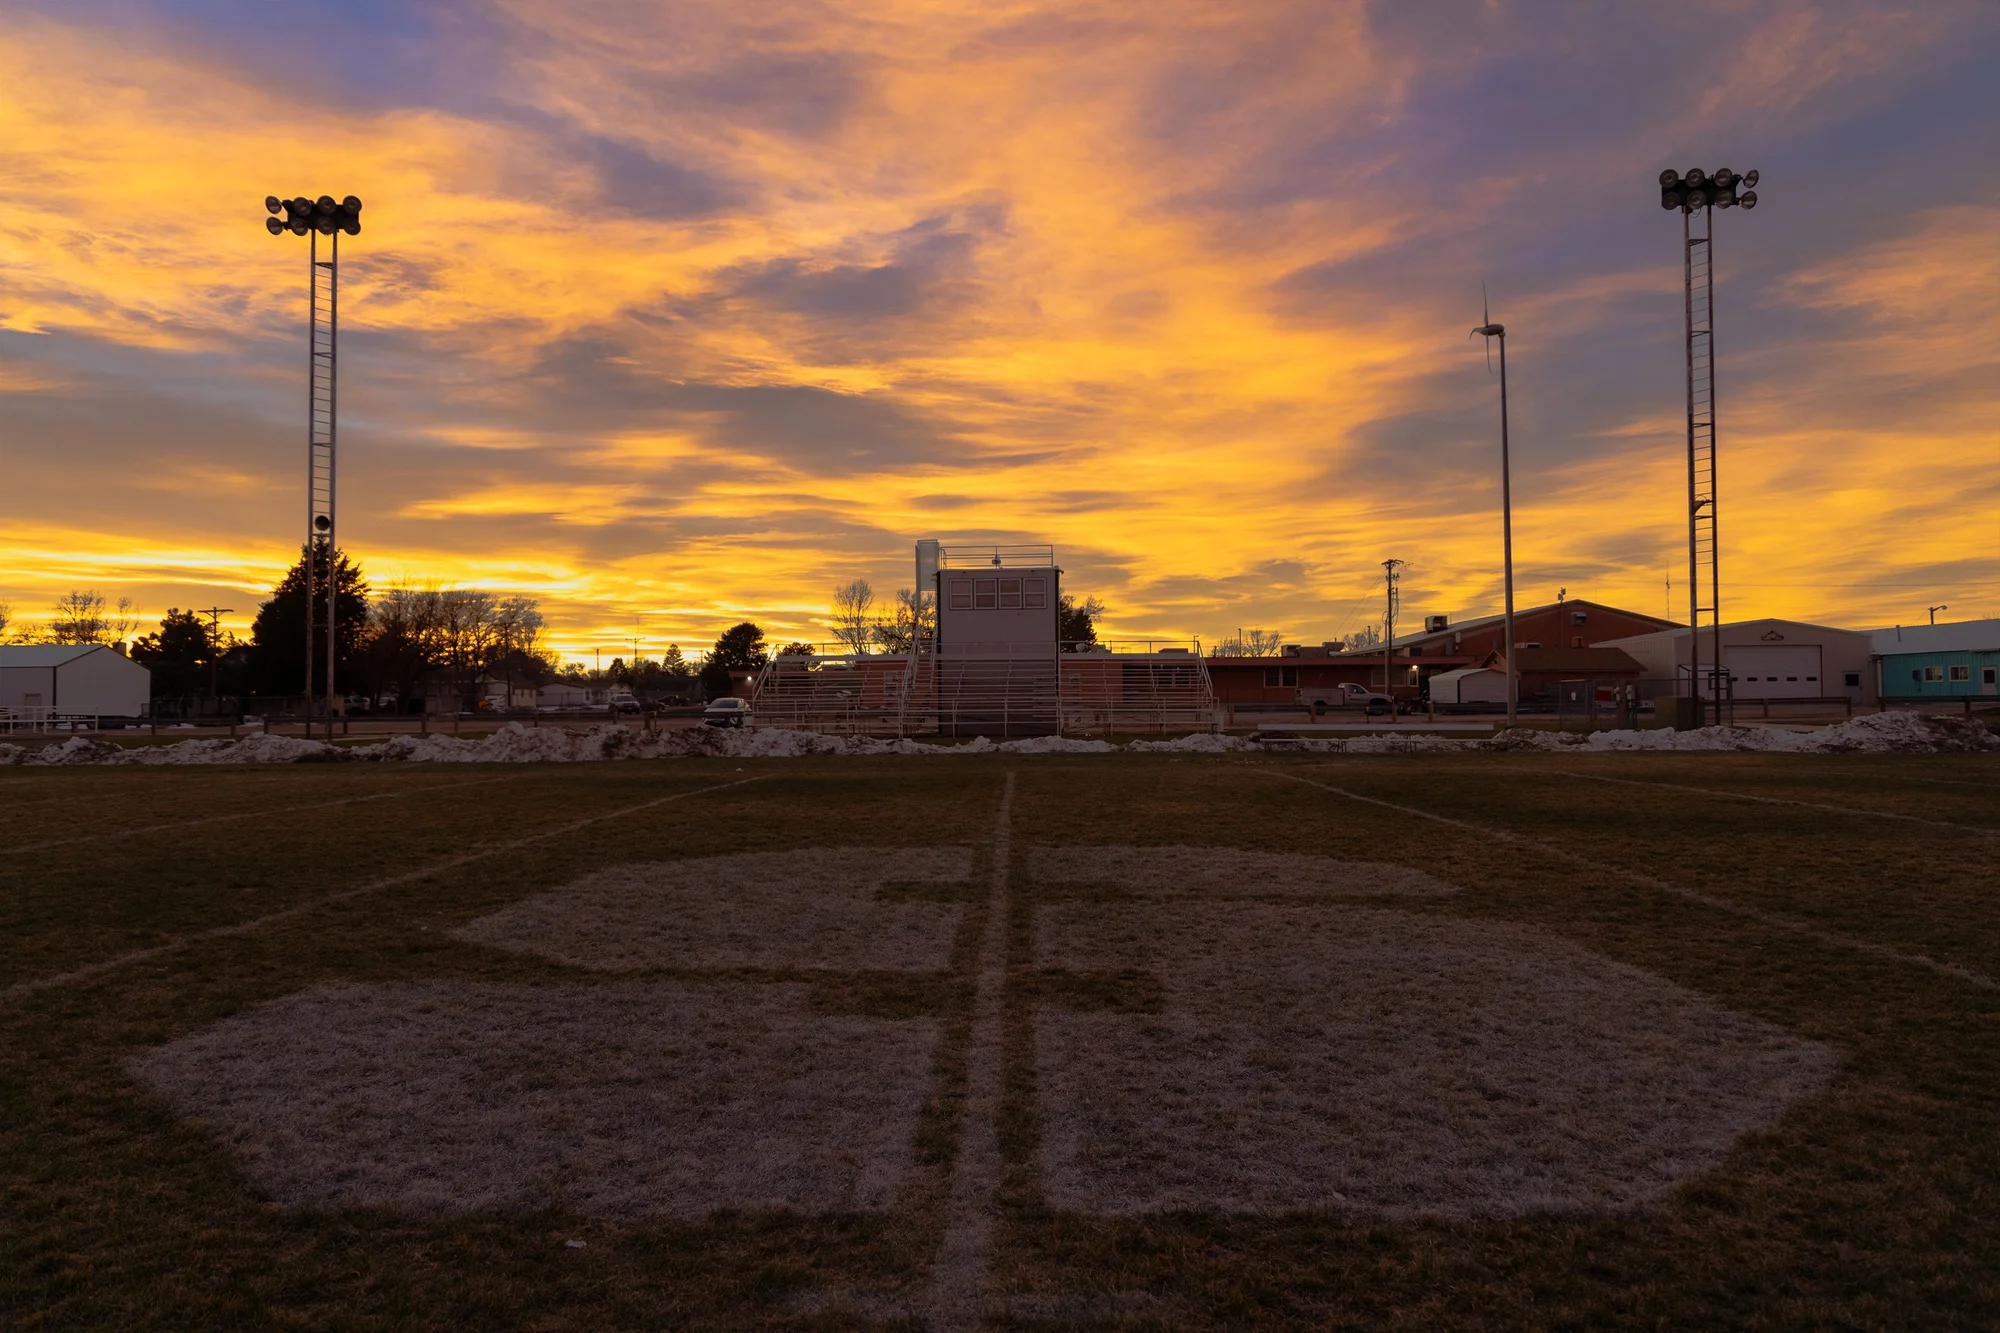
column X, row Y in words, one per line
column 1851, row 680
column 1271, row 677
column 1288, row 675
column 1933, row 674
column 1010, row 594
column 1035, row 594
column 984, row 593
column 1986, row 675
column 1578, row 617
column 961, row 594
column 1961, row 673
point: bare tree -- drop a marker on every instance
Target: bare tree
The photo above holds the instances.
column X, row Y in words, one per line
column 853, row 621
column 6, row 618
column 1252, row 643
column 81, row 617
column 912, row 620
column 1366, row 637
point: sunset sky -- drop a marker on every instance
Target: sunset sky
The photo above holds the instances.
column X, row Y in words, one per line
column 677, row 314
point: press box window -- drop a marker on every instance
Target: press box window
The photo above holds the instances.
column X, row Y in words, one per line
column 1010, row 594
column 961, row 594
column 1035, row 594
column 983, row 594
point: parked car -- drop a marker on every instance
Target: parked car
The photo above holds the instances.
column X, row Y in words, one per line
column 730, row 712
column 624, row 703
column 1351, row 695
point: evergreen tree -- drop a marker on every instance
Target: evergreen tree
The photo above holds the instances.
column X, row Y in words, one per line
column 277, row 637
column 741, row 648
column 178, row 654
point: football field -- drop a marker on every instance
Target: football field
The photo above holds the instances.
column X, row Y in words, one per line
column 1004, row 1041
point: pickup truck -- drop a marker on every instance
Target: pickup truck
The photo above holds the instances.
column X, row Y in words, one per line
column 1351, row 695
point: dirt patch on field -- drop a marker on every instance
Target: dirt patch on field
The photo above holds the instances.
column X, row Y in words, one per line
column 621, row 1099
column 818, row 908
column 1227, row 871
column 1389, row 1064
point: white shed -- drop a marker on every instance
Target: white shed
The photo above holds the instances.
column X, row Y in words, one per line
column 72, row 679
column 1469, row 685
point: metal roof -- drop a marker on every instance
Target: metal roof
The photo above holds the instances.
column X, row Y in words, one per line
column 1964, row 636
column 1498, row 618
column 45, row 654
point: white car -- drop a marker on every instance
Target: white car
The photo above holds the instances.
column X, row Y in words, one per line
column 730, row 712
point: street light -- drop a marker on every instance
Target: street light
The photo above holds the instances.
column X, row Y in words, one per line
column 315, row 218
column 1935, row 610
column 1489, row 330
column 1698, row 192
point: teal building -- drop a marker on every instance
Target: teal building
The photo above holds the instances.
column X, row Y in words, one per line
column 1919, row 662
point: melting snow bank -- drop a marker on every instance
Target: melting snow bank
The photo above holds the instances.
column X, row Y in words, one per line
column 1876, row 733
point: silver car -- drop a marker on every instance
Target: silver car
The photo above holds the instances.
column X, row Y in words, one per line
column 730, row 712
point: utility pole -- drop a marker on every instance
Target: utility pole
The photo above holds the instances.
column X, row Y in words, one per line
column 214, row 614
column 1489, row 330
column 1390, row 577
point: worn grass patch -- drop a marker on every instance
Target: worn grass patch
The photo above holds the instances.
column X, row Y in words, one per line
column 817, row 908
column 1348, row 1059
column 625, row 1099
column 1229, row 871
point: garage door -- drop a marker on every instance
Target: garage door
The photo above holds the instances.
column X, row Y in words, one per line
column 1773, row 672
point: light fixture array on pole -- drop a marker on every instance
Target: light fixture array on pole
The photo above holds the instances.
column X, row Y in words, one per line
column 1697, row 194
column 315, row 218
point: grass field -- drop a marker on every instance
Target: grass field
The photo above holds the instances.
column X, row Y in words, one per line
column 1494, row 1041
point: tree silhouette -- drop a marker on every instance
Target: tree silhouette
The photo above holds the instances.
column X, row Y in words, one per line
column 277, row 637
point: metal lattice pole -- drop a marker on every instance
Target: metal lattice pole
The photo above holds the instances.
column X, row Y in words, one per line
column 313, row 218
column 1699, row 192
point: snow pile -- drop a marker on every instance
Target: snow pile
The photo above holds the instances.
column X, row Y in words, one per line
column 1056, row 745
column 1873, row 733
column 1200, row 742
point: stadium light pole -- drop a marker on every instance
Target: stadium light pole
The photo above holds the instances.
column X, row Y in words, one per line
column 1489, row 330
column 1698, row 192
column 314, row 218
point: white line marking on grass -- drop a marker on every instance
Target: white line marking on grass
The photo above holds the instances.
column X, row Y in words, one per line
column 1773, row 919
column 1774, row 800
column 89, row 970
column 252, row 814
column 965, row 1255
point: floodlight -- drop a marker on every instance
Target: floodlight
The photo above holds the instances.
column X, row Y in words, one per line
column 1669, row 178
column 352, row 226
column 351, row 204
column 299, row 227
column 321, row 523
column 272, row 203
column 325, row 203
column 1670, row 199
column 275, row 227
column 1696, row 176
column 1722, row 177
column 1750, row 179
column 1749, row 199
column 326, row 226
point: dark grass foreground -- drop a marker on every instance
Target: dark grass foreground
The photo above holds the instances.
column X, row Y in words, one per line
column 1842, row 904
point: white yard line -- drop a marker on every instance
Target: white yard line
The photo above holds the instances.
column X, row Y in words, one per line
column 251, row 814
column 958, row 1294
column 84, row 973
column 1985, row 830
column 1716, row 901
